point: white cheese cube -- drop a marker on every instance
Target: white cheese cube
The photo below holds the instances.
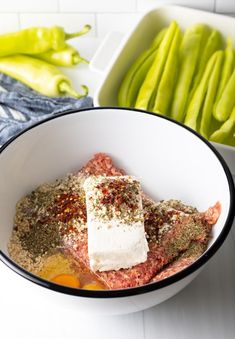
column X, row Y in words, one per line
column 115, row 220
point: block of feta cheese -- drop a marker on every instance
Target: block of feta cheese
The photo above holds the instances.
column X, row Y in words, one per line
column 115, row 221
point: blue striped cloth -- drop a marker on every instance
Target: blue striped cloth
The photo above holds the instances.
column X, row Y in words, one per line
column 21, row 107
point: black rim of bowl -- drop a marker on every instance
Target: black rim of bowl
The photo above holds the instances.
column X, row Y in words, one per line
column 151, row 286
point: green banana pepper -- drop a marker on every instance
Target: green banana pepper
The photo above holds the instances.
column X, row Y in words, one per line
column 66, row 57
column 167, row 82
column 152, row 79
column 213, row 83
column 36, row 40
column 227, row 70
column 39, row 75
column 196, row 103
column 227, row 100
column 227, row 128
column 134, row 77
column 214, row 43
column 188, row 59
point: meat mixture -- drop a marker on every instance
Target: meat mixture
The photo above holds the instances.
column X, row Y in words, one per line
column 53, row 218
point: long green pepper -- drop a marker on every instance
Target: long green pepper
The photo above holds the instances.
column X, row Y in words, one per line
column 166, row 86
column 134, row 77
column 188, row 55
column 39, row 75
column 36, row 40
column 151, row 82
column 197, row 100
column 225, row 76
column 213, row 83
column 66, row 57
column 213, row 44
column 227, row 128
column 227, row 100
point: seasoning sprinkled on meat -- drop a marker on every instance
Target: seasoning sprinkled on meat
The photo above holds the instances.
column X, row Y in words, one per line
column 45, row 219
column 194, row 251
column 174, row 242
column 54, row 216
column 170, row 228
column 114, row 197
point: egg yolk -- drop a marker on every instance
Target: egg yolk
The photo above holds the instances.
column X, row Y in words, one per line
column 92, row 287
column 67, row 280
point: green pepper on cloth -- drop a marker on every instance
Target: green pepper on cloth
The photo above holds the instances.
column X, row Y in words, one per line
column 39, row 75
column 37, row 40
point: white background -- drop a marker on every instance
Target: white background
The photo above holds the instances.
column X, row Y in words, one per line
column 206, row 308
column 103, row 15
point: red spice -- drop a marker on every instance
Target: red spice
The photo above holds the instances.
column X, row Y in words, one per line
column 118, row 193
column 67, row 207
column 105, row 191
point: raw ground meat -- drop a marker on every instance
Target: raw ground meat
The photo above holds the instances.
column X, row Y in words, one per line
column 184, row 226
column 195, row 250
column 177, row 234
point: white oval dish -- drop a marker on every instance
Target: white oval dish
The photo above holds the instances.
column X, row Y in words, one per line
column 138, row 39
column 170, row 160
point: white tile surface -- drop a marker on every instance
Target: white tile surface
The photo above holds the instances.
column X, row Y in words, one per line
column 71, row 21
column 144, row 5
column 97, row 6
column 225, row 6
column 28, row 6
column 107, row 22
column 8, row 22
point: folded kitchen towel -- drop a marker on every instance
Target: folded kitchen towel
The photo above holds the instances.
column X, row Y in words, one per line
column 21, row 107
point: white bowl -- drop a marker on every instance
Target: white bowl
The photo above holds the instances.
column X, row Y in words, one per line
column 117, row 53
column 170, row 160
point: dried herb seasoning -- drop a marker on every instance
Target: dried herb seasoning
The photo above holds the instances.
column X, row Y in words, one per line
column 42, row 239
column 116, row 198
column 49, row 214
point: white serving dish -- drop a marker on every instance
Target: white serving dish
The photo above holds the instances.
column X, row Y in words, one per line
column 117, row 52
column 170, row 160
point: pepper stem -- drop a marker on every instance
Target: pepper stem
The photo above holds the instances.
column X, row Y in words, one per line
column 85, row 29
column 76, row 59
column 66, row 89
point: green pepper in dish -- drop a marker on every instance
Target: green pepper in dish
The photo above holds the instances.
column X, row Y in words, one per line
column 206, row 119
column 210, row 45
column 134, row 77
column 227, row 70
column 166, row 86
column 196, row 103
column 151, row 82
column 225, row 130
column 189, row 55
column 227, row 100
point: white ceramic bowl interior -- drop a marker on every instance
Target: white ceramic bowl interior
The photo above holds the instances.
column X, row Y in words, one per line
column 127, row 49
column 170, row 161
